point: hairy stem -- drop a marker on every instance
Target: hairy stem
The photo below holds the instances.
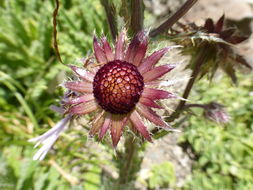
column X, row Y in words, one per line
column 111, row 17
column 137, row 16
column 129, row 164
column 173, row 19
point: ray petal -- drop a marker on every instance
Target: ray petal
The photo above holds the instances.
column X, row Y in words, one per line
column 99, row 51
column 138, row 124
column 134, row 47
column 83, row 73
column 151, row 60
column 119, row 50
column 150, row 103
column 83, row 108
column 79, row 86
column 157, row 72
column 152, row 116
column 80, row 99
column 155, row 94
column 107, row 49
column 106, row 125
column 97, row 124
column 118, row 122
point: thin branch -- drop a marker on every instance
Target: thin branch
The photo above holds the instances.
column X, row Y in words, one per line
column 111, row 17
column 55, row 30
column 173, row 19
column 137, row 16
column 203, row 106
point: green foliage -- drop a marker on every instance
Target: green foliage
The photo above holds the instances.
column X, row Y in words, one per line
column 223, row 153
column 162, row 176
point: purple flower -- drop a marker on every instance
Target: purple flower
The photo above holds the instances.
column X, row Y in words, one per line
column 216, row 113
column 120, row 86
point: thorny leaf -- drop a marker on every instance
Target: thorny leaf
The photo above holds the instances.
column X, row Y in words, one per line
column 220, row 39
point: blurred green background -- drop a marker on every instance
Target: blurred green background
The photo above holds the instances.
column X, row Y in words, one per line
column 29, row 78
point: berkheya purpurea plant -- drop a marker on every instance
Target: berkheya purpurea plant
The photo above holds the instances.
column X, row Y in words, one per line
column 121, row 85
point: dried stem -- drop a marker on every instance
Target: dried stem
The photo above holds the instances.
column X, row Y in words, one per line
column 111, row 17
column 173, row 19
column 137, row 16
column 55, row 30
column 71, row 179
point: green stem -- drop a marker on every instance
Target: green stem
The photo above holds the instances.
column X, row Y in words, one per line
column 137, row 16
column 110, row 11
column 129, row 164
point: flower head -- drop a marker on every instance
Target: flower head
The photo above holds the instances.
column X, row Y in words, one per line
column 219, row 41
column 216, row 113
column 229, row 35
column 120, row 86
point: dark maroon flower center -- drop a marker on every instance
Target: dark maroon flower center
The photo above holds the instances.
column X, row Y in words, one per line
column 117, row 86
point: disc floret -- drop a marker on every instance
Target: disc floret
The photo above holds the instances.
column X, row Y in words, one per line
column 117, row 86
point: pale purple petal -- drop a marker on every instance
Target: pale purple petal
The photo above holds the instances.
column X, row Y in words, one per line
column 107, row 49
column 157, row 72
column 42, row 152
column 48, row 138
column 83, row 108
column 138, row 124
column 99, row 51
column 83, row 73
column 79, row 86
column 57, row 109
